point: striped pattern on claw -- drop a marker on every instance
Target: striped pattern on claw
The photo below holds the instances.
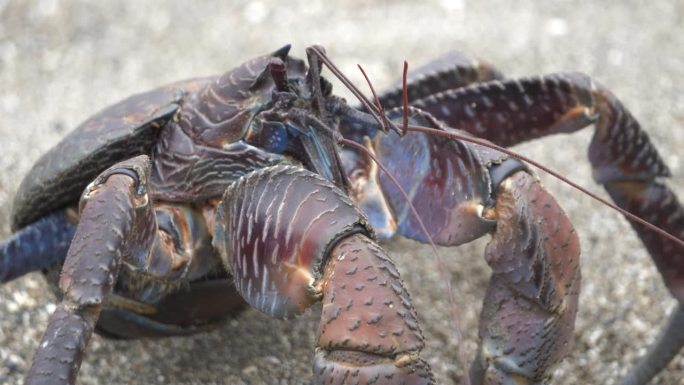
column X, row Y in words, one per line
column 274, row 228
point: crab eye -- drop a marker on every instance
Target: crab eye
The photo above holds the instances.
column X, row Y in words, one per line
column 271, row 136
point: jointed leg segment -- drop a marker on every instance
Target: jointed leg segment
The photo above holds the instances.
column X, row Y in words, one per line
column 529, row 309
column 291, row 238
column 111, row 208
column 624, row 160
column 118, row 228
column 369, row 332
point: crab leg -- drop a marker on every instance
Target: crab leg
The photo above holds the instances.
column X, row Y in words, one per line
column 529, row 309
column 36, row 246
column 465, row 191
column 109, row 212
column 623, row 158
column 291, row 238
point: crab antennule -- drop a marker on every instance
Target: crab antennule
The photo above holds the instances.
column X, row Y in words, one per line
column 381, row 110
column 372, row 109
column 404, row 96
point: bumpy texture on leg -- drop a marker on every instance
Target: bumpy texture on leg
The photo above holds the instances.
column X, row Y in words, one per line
column 369, row 332
column 655, row 202
column 529, row 310
column 111, row 211
column 622, row 156
column 292, row 238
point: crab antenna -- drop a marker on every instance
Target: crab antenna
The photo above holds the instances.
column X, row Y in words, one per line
column 372, row 109
column 405, row 99
column 484, row 143
column 381, row 110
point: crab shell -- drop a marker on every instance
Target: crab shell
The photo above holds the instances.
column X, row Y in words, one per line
column 132, row 127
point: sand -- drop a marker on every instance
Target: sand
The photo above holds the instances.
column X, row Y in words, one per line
column 61, row 61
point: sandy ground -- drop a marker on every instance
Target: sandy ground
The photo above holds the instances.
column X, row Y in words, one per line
column 60, row 61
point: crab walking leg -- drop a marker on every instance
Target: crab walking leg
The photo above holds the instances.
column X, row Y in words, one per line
column 655, row 202
column 36, row 246
column 529, row 309
column 291, row 239
column 369, row 332
column 464, row 192
column 112, row 225
column 622, row 156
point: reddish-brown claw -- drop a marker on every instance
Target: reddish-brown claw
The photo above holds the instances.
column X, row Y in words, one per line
column 528, row 313
column 624, row 160
column 369, row 332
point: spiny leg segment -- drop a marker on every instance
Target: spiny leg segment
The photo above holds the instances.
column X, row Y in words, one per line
column 119, row 228
column 623, row 158
column 111, row 208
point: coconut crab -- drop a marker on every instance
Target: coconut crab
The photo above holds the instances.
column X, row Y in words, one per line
column 248, row 163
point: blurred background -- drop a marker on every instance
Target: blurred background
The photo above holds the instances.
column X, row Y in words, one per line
column 61, row 61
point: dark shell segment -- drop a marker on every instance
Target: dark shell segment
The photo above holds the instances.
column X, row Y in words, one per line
column 197, row 307
column 222, row 112
column 185, row 171
column 124, row 130
column 274, row 229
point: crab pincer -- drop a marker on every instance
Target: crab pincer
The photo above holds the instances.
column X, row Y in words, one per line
column 291, row 238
